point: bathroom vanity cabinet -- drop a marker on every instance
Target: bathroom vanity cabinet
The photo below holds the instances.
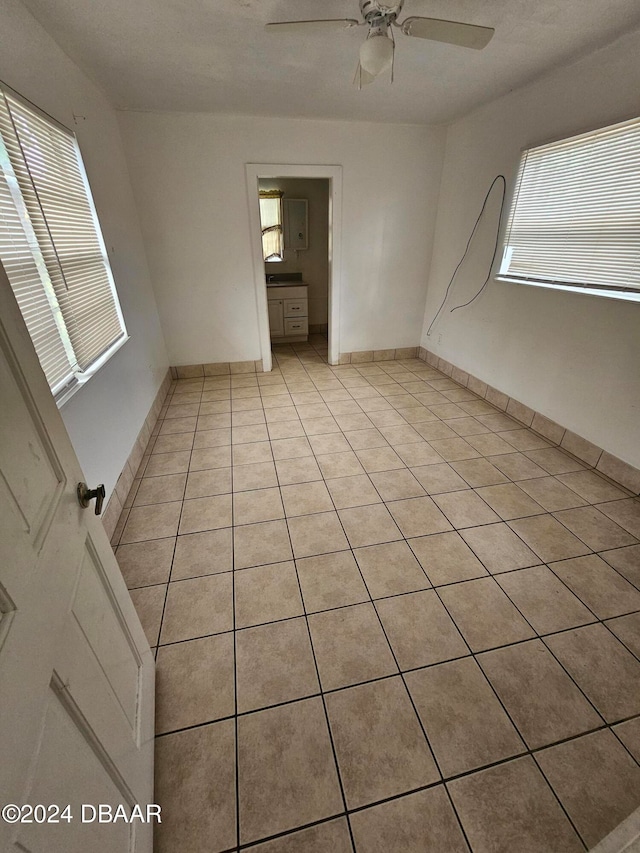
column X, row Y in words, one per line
column 288, row 312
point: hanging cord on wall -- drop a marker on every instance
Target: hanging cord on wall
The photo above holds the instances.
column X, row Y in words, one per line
column 495, row 249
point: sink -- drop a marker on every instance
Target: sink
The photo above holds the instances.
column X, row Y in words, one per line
column 280, row 279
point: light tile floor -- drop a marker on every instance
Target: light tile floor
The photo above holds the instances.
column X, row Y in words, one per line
column 380, row 618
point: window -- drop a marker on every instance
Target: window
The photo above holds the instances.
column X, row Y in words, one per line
column 52, row 249
column 575, row 215
column 271, row 224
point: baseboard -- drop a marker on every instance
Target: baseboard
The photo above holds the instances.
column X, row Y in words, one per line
column 606, row 463
column 363, row 356
column 115, row 504
column 220, row 368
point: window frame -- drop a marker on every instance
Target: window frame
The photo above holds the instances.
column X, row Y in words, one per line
column 80, row 376
column 612, row 292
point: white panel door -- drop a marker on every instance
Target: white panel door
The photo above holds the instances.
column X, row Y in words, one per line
column 76, row 672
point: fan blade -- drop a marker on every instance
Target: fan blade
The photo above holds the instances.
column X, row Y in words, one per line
column 299, row 26
column 451, row 32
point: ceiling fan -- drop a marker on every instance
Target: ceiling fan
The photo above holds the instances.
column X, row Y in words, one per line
column 376, row 53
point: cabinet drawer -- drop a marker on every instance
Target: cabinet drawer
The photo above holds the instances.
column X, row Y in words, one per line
column 293, row 326
column 295, row 307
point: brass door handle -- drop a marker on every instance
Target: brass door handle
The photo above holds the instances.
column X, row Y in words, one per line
column 85, row 495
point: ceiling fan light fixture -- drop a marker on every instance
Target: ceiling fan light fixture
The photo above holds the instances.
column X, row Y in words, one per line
column 376, row 53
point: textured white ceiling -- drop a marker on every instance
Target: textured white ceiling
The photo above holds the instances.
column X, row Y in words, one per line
column 215, row 55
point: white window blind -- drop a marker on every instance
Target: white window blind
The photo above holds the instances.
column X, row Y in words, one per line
column 575, row 215
column 271, row 224
column 52, row 248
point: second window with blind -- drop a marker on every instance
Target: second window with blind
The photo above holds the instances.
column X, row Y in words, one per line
column 52, row 249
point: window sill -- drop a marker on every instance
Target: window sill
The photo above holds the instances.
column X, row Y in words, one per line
column 624, row 295
column 65, row 394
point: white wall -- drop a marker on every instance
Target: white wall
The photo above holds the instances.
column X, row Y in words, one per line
column 313, row 262
column 105, row 416
column 573, row 357
column 189, row 181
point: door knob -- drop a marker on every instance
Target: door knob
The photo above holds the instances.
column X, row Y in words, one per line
column 85, row 495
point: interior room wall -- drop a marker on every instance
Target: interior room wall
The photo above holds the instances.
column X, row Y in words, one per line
column 106, row 415
column 188, row 175
column 313, row 262
column 572, row 357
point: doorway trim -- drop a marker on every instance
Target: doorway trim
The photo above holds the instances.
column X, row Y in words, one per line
column 257, row 171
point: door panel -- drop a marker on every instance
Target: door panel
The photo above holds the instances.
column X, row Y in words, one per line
column 76, row 671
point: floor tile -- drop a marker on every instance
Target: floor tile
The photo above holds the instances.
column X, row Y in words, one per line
column 510, row 501
column 591, row 486
column 173, row 443
column 319, row 533
column 332, row 836
column 411, row 824
column 465, row 509
column 600, row 587
column 286, row 771
column 417, row 453
column 350, row 646
column 249, row 454
column 490, row 444
column 364, row 439
column 332, row 442
column 438, row 478
column 379, row 459
column 396, row 485
column 605, row 671
column 291, row 448
column 210, row 457
column 624, row 513
column 484, row 615
column 479, row 472
column 260, row 475
column 146, row 563
column 541, row 699
column 390, row 569
column 420, row 630
column 629, row 734
column 201, row 484
column 524, row 439
column 499, row 548
column 554, row 461
column 339, row 464
column 196, row 784
column 259, row 544
column 267, row 593
column 330, row 580
column 303, row 470
column 194, row 682
column 152, row 522
column 368, row 525
column 544, row 600
column 352, row 491
column 274, row 664
column 454, row 449
column 172, row 425
column 511, row 807
column 465, row 723
column 206, row 514
column 260, row 505
column 149, row 604
column 212, row 438
column 596, row 780
column 157, row 490
column 551, row 494
column 206, row 553
column 627, row 629
column 549, row 539
column 517, row 466
column 249, row 433
column 380, row 746
column 418, row 516
column 626, row 561
column 306, row 498
column 198, row 607
column 594, row 528
column 285, row 429
column 446, row 558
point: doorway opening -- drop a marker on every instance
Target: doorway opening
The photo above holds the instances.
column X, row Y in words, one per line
column 295, row 229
